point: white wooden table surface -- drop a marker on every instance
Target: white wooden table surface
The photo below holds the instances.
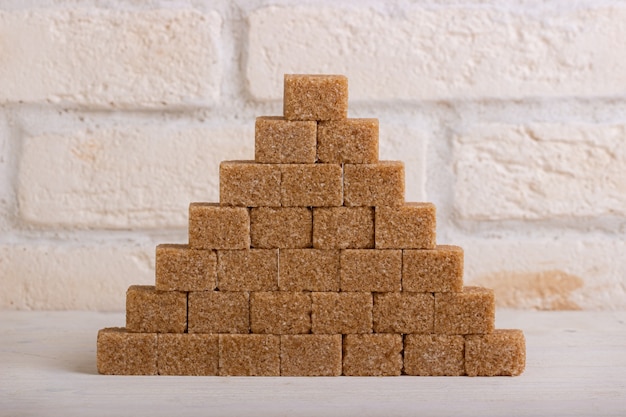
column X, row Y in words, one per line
column 576, row 366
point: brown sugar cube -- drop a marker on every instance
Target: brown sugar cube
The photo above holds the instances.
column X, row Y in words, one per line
column 371, row 270
column 404, row 312
column 411, row 226
column 280, row 312
column 380, row 184
column 247, row 270
column 311, row 185
column 469, row 312
column 315, row 97
column 212, row 226
column 249, row 355
column 249, row 184
column 341, row 312
column 152, row 311
column 310, row 355
column 434, row 355
column 281, row 141
column 372, row 354
column 188, row 354
column 284, row 227
column 343, row 227
column 219, row 312
column 433, row 270
column 309, row 270
column 349, row 141
column 123, row 353
column 502, row 352
column 179, row 268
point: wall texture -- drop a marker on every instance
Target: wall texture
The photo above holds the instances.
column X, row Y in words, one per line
column 509, row 115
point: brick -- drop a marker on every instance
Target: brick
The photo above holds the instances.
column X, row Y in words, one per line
column 343, row 227
column 249, row 355
column 434, row 355
column 502, row 352
column 212, row 226
column 404, row 312
column 380, row 184
column 310, row 355
column 152, row 311
column 179, row 268
column 372, row 355
column 120, row 352
column 469, row 312
column 349, row 141
column 315, row 97
column 249, row 184
column 371, row 270
column 219, row 312
column 410, row 226
column 311, row 185
column 341, row 312
column 309, row 270
column 281, row 141
column 285, row 227
column 280, row 312
column 247, row 270
column 433, row 270
column 188, row 354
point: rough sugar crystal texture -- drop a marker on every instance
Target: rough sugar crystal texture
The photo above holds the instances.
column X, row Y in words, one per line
column 502, row 352
column 311, row 185
column 380, row 184
column 341, row 312
column 350, row 141
column 411, row 226
column 179, row 268
column 188, row 354
column 309, row 270
column 247, row 270
column 403, row 312
column 371, row 270
column 281, row 141
column 310, row 355
column 249, row 355
column 469, row 312
column 152, row 311
column 315, row 97
column 434, row 355
column 284, row 227
column 372, row 354
column 249, row 184
column 212, row 226
column 280, row 312
column 433, row 270
column 123, row 353
column 343, row 227
column 219, row 312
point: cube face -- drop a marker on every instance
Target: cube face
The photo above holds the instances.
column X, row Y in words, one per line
column 188, row 354
column 502, row 352
column 212, row 226
column 315, row 97
column 285, row 227
column 219, row 312
column 120, row 352
column 280, row 312
column 179, row 268
column 249, row 184
column 309, row 270
column 372, row 354
column 370, row 270
column 403, row 312
column 247, row 270
column 311, row 185
column 249, row 355
column 380, row 184
column 433, row 270
column 411, row 226
column 281, row 141
column 341, row 312
column 310, row 355
column 434, row 355
column 349, row 141
column 152, row 311
column 343, row 227
column 469, row 312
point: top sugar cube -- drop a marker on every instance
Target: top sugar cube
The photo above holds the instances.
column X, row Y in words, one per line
column 315, row 97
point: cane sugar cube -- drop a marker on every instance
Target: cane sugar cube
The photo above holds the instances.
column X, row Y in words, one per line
column 434, row 355
column 219, row 312
column 179, row 268
column 249, row 355
column 404, row 312
column 311, row 185
column 469, row 312
column 343, row 227
column 281, row 227
column 188, row 354
column 212, row 226
column 280, row 312
column 315, row 97
column 120, row 352
column 380, row 184
column 349, row 141
column 410, row 226
column 372, row 354
column 371, row 270
column 249, row 184
column 433, row 270
column 502, row 352
column 247, row 270
column 341, row 312
column 310, row 355
column 152, row 311
column 281, row 141
column 309, row 270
